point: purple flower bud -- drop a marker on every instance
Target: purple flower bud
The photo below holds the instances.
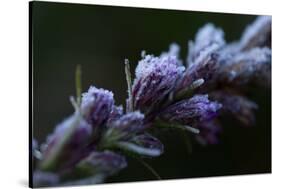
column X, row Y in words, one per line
column 257, row 34
column 143, row 144
column 191, row 111
column 208, row 40
column 124, row 128
column 116, row 113
column 240, row 107
column 201, row 70
column 78, row 139
column 80, row 136
column 241, row 68
column 97, row 105
column 41, row 179
column 155, row 79
column 209, row 132
column 105, row 162
column 130, row 123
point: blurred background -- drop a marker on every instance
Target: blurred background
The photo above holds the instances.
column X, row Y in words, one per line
column 99, row 38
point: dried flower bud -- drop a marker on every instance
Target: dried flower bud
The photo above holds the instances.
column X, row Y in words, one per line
column 143, row 144
column 191, row 111
column 105, row 162
column 116, row 113
column 155, row 79
column 97, row 105
column 131, row 122
column 209, row 132
column 201, row 70
column 239, row 106
column 123, row 129
column 256, row 34
column 208, row 40
column 78, row 138
column 252, row 65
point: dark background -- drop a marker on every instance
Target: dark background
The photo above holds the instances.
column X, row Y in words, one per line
column 99, row 38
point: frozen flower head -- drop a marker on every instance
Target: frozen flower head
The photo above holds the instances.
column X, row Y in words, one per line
column 127, row 133
column 253, row 65
column 106, row 163
column 208, row 40
column 239, row 106
column 202, row 61
column 205, row 70
column 155, row 79
column 130, row 123
column 97, row 105
column 67, row 139
column 257, row 34
column 116, row 113
column 191, row 111
column 123, row 128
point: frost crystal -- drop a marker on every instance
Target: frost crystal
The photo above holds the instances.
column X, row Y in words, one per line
column 243, row 67
column 191, row 111
column 131, row 122
column 155, row 79
column 97, row 105
column 208, row 40
column 256, row 34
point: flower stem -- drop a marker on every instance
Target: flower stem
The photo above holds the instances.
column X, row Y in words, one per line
column 78, row 82
column 147, row 166
column 188, row 91
column 161, row 124
column 129, row 107
column 50, row 162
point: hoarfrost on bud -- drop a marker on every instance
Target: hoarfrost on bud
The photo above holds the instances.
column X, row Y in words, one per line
column 256, row 34
column 208, row 40
column 97, row 105
column 155, row 79
column 72, row 145
column 191, row 111
column 123, row 129
column 131, row 122
column 116, row 113
column 252, row 65
column 201, row 70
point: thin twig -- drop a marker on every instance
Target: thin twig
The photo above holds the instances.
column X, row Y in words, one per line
column 78, row 82
column 129, row 107
column 149, row 168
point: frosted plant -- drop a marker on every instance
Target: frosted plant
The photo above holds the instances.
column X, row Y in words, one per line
column 155, row 79
column 93, row 142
